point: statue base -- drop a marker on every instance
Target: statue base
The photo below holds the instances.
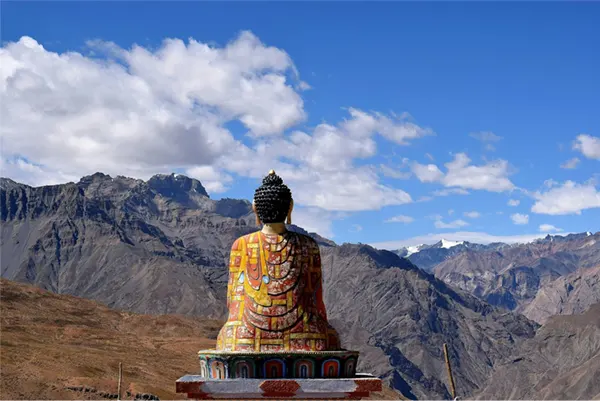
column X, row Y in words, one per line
column 277, row 364
column 355, row 388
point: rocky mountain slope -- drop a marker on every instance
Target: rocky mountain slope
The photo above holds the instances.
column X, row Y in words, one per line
column 572, row 294
column 429, row 256
column 399, row 317
column 511, row 276
column 54, row 345
column 50, row 342
column 562, row 362
column 161, row 246
column 149, row 247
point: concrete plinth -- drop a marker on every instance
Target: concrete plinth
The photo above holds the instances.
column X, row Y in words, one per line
column 355, row 388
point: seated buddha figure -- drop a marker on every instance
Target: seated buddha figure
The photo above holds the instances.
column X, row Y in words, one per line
column 275, row 287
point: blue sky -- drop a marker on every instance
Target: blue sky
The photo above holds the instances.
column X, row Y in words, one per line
column 513, row 87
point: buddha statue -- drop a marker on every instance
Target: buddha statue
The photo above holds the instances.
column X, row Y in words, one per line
column 275, row 287
column 276, row 339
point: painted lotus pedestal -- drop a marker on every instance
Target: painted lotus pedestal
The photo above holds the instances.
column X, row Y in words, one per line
column 277, row 342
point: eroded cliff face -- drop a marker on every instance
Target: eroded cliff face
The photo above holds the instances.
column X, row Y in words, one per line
column 130, row 244
column 512, row 276
column 572, row 294
column 394, row 312
column 162, row 246
column 562, row 362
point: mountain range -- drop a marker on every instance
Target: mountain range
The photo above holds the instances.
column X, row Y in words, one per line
column 161, row 247
column 509, row 276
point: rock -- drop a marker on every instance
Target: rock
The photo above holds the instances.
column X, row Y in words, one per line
column 567, row 295
column 562, row 362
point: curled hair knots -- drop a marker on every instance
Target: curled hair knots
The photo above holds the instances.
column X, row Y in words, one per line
column 272, row 199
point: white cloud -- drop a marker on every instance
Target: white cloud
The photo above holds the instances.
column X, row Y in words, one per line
column 568, row 198
column 570, row 164
column 450, row 191
column 472, row 215
column 356, row 228
column 470, row 236
column 492, row 176
column 453, row 224
column 21, row 170
column 450, row 212
column 400, row 219
column 427, row 172
column 519, row 218
column 145, row 111
column 513, row 202
column 213, row 180
column 138, row 112
column 396, row 129
column 393, row 173
column 314, row 220
column 588, row 145
column 485, row 136
column 546, row 228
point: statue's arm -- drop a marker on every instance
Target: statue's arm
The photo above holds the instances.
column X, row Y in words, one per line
column 235, row 266
column 316, row 261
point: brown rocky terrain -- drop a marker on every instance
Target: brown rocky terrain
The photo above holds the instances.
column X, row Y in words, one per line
column 572, row 294
column 399, row 317
column 50, row 342
column 161, row 247
column 562, row 362
column 64, row 347
column 512, row 276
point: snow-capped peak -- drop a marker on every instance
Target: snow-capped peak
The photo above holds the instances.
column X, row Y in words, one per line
column 588, row 233
column 413, row 249
column 449, row 244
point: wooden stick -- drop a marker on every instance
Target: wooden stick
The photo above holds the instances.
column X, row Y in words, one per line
column 119, row 385
column 452, row 389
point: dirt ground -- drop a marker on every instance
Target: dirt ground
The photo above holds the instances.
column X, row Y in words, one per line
column 51, row 342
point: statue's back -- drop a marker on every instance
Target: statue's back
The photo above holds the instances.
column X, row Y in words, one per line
column 275, row 296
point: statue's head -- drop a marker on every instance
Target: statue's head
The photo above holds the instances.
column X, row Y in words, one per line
column 273, row 200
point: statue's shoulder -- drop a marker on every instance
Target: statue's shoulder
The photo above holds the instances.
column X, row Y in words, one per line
column 307, row 240
column 245, row 239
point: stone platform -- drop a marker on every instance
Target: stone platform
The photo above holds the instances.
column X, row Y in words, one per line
column 354, row 388
column 277, row 364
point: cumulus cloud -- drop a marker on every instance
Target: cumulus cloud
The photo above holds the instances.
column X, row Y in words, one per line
column 400, row 219
column 547, row 228
column 513, row 202
column 487, row 138
column 450, row 191
column 439, row 223
column 492, row 176
column 394, row 173
column 568, row 198
column 427, row 172
column 315, row 220
column 588, row 145
column 139, row 111
column 472, row 214
column 21, row 170
column 570, row 164
column 356, row 228
column 519, row 218
column 213, row 180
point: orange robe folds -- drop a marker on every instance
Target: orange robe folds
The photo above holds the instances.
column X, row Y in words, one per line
column 275, row 296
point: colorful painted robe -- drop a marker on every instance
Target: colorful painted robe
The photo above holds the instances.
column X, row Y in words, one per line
column 275, row 296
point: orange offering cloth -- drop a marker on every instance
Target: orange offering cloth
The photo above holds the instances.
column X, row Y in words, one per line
column 275, row 296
